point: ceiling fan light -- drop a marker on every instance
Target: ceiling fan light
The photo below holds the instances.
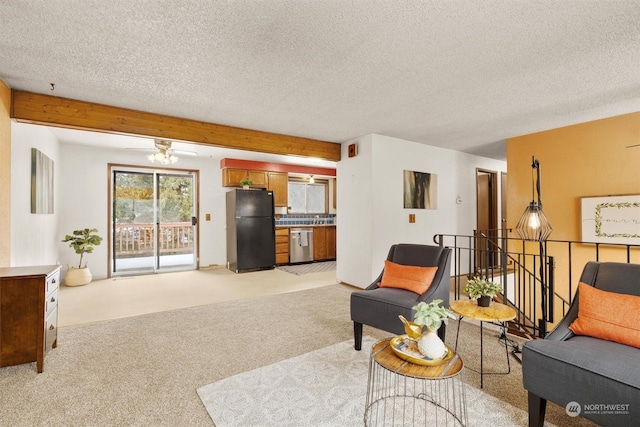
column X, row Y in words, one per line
column 163, row 156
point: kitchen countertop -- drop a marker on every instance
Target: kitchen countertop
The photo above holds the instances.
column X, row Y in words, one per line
column 305, row 225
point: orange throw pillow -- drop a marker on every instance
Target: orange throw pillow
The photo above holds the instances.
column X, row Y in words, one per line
column 608, row 315
column 410, row 277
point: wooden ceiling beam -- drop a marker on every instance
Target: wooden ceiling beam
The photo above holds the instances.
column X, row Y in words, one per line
column 29, row 107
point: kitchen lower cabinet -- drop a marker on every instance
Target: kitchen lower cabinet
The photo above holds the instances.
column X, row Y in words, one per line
column 324, row 243
column 319, row 243
column 331, row 242
column 282, row 245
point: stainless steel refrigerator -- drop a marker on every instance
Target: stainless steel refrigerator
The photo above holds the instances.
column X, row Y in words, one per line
column 251, row 230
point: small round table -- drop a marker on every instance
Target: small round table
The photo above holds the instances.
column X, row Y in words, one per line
column 495, row 313
column 401, row 393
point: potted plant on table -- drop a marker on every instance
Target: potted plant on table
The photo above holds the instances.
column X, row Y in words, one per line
column 246, row 183
column 483, row 290
column 432, row 315
column 82, row 241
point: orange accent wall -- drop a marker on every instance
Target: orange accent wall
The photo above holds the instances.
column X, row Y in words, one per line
column 588, row 159
column 5, row 175
column 584, row 160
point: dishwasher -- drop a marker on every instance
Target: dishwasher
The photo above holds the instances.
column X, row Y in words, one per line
column 301, row 245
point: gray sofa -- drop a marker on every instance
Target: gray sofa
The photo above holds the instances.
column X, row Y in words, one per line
column 601, row 377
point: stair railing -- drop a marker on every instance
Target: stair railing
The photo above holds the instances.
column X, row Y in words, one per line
column 529, row 271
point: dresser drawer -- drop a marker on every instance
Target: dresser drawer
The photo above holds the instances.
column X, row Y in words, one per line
column 52, row 282
column 50, row 302
column 51, row 329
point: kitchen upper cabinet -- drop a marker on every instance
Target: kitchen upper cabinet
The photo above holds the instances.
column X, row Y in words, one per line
column 232, row 177
column 259, row 178
column 279, row 184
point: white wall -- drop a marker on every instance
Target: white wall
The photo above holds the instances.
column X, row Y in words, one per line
column 355, row 214
column 33, row 236
column 81, row 185
column 371, row 216
column 85, row 180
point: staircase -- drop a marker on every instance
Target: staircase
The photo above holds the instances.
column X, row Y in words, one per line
column 529, row 272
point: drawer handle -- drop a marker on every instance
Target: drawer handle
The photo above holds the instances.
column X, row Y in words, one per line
column 51, row 328
column 53, row 280
column 53, row 299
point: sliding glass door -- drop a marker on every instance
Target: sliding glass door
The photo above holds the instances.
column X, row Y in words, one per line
column 153, row 221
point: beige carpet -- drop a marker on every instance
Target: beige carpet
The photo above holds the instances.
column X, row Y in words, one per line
column 145, row 370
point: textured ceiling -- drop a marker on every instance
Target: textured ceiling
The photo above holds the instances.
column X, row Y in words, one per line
column 460, row 74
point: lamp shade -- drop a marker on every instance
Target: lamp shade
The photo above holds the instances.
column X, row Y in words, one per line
column 533, row 224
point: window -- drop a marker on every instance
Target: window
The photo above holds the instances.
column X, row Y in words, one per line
column 308, row 198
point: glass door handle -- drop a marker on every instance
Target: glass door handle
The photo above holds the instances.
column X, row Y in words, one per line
column 194, row 220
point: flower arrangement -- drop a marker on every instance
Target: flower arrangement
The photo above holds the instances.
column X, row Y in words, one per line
column 432, row 314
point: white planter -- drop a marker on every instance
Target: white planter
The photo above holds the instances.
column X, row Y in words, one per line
column 431, row 345
column 77, row 276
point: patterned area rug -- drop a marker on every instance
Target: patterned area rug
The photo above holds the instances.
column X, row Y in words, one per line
column 326, row 387
column 313, row 267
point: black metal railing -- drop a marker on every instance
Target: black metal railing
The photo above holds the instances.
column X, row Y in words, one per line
column 529, row 271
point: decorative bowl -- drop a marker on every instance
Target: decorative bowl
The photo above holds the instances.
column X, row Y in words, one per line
column 407, row 349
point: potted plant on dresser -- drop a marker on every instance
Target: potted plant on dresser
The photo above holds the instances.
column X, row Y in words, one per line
column 82, row 241
column 483, row 290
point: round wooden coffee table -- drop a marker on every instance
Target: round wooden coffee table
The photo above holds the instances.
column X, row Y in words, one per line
column 403, row 393
column 496, row 313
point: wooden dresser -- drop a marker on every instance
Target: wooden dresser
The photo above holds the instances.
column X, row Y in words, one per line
column 28, row 313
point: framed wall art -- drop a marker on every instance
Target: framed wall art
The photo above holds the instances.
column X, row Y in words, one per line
column 41, row 183
column 611, row 219
column 420, row 190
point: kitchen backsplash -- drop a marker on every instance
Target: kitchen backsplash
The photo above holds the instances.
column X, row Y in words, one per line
column 286, row 219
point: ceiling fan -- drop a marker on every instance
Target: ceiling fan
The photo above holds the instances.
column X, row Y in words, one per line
column 163, row 153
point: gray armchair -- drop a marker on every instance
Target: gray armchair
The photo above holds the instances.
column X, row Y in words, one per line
column 380, row 307
column 564, row 367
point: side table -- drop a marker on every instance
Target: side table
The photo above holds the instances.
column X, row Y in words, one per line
column 401, row 393
column 495, row 313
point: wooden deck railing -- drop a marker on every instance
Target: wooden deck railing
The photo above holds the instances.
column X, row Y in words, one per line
column 138, row 239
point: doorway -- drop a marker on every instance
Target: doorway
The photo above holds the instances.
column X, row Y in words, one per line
column 153, row 221
column 486, row 239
